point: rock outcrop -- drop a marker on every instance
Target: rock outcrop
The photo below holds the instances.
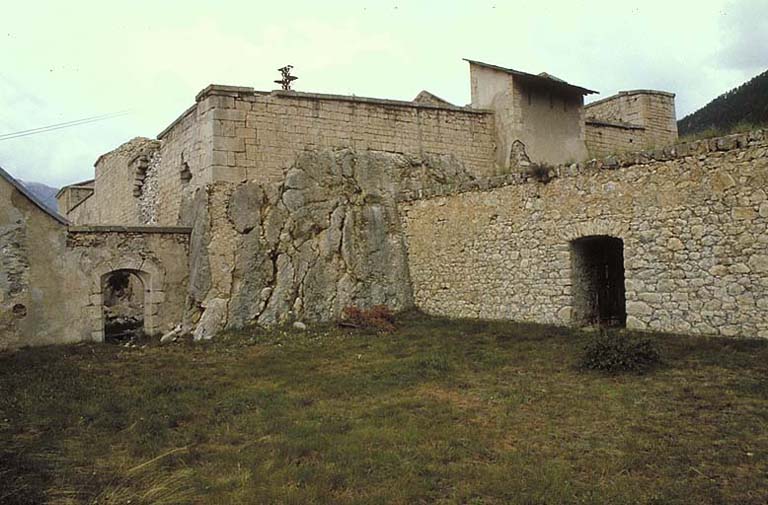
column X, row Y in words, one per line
column 326, row 238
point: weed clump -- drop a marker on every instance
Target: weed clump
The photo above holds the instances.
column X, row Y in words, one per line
column 541, row 172
column 378, row 318
column 612, row 352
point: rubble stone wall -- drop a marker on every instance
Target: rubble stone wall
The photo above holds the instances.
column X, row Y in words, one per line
column 148, row 182
column 693, row 219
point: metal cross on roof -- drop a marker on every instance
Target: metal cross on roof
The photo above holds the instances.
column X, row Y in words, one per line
column 287, row 79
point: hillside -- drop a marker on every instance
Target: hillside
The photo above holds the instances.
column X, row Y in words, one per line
column 746, row 104
column 46, row 194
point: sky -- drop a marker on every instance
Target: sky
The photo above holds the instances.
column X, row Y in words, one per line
column 63, row 61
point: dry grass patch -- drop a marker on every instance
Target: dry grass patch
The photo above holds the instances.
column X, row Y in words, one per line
column 438, row 411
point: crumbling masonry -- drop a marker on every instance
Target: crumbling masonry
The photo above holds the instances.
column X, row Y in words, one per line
column 271, row 207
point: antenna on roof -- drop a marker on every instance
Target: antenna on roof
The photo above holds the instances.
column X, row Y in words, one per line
column 287, row 79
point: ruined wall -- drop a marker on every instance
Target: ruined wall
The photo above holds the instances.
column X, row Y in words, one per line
column 256, row 136
column 692, row 219
column 50, row 281
column 156, row 255
column 652, row 111
column 148, row 182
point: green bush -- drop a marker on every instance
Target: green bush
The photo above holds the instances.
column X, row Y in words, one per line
column 613, row 352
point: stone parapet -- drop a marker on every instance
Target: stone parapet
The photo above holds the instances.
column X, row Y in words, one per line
column 702, row 149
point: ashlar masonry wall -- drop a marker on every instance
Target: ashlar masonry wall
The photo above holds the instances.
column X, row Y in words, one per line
column 257, row 136
column 630, row 121
column 693, row 220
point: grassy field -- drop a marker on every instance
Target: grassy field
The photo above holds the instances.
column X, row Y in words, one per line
column 438, row 412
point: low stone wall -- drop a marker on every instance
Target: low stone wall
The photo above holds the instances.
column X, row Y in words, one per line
column 692, row 218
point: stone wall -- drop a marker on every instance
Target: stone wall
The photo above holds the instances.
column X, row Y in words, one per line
column 692, row 219
column 51, row 276
column 609, row 122
column 257, row 136
column 148, row 182
column 29, row 240
column 604, row 138
column 156, row 255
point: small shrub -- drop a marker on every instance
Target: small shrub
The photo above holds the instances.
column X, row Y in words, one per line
column 540, row 172
column 612, row 352
column 378, row 317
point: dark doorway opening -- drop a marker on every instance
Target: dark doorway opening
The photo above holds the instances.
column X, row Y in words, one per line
column 597, row 269
column 123, row 306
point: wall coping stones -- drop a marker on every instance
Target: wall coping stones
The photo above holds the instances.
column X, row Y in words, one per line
column 630, row 93
column 698, row 148
column 179, row 230
column 176, row 121
column 246, row 91
column 376, row 101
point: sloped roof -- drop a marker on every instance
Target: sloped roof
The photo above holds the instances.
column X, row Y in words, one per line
column 426, row 97
column 31, row 197
column 542, row 79
column 79, row 185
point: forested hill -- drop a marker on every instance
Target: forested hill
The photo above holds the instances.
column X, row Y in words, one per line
column 747, row 104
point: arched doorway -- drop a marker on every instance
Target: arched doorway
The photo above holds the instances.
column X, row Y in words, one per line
column 123, row 305
column 144, row 280
column 597, row 281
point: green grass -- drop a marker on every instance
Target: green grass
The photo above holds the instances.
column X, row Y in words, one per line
column 464, row 412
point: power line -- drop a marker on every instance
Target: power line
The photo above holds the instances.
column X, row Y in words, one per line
column 59, row 126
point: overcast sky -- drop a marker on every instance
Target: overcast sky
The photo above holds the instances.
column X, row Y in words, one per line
column 62, row 61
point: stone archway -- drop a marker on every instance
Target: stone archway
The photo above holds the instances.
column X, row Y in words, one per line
column 151, row 282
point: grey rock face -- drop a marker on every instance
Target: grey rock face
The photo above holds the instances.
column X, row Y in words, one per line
column 328, row 238
column 213, row 319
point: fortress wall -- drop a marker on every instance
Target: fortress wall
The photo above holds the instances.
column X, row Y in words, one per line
column 113, row 201
column 604, row 138
column 181, row 165
column 144, row 181
column 693, row 220
column 257, row 136
column 654, row 111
